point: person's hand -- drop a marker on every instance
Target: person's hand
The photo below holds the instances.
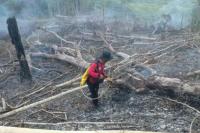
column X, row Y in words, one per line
column 101, row 76
column 109, row 79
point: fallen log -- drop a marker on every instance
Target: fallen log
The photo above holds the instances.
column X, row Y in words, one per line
column 126, row 37
column 74, row 122
column 39, row 102
column 67, row 83
column 63, row 57
column 193, row 73
column 57, row 36
column 28, row 130
column 6, row 107
column 174, row 84
column 67, row 50
column 87, row 38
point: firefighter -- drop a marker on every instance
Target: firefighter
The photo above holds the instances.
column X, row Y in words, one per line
column 96, row 75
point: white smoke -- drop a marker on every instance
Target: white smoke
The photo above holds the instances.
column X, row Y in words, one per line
column 180, row 11
column 23, row 15
column 3, row 27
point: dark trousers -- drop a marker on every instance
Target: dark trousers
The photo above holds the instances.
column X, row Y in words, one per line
column 94, row 88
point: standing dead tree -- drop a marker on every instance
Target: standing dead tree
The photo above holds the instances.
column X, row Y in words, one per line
column 16, row 40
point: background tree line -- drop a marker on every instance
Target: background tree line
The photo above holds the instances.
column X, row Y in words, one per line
column 144, row 10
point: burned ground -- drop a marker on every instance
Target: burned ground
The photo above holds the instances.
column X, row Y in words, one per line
column 120, row 108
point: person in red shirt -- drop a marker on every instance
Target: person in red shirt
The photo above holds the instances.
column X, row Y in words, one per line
column 97, row 75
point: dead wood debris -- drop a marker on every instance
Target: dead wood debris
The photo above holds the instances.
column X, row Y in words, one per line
column 134, row 78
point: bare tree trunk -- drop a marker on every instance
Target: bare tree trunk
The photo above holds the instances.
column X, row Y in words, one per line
column 16, row 40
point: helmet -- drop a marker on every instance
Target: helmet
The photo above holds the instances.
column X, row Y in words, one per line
column 106, row 55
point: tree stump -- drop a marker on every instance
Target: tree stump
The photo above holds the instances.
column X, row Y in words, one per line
column 25, row 73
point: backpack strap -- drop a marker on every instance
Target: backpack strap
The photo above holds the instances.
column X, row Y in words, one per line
column 97, row 63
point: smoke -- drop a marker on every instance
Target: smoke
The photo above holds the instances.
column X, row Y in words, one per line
column 3, row 14
column 26, row 11
column 180, row 12
column 149, row 12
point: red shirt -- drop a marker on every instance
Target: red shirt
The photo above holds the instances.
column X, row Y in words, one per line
column 95, row 70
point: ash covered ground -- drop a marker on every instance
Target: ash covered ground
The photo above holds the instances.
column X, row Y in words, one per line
column 119, row 108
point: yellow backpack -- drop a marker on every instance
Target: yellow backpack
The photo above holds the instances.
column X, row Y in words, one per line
column 84, row 77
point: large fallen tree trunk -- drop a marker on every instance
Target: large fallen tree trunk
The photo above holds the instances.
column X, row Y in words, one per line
column 174, row 84
column 63, row 57
column 28, row 130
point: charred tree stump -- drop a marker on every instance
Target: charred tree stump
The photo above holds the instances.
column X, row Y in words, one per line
column 25, row 73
